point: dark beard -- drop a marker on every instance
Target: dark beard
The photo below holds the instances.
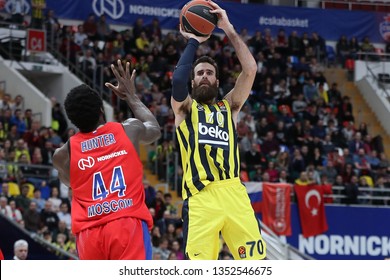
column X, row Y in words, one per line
column 205, row 94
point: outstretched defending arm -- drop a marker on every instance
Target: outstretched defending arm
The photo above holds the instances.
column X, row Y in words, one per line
column 144, row 127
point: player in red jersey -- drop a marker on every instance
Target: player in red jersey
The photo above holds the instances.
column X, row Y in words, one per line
column 101, row 165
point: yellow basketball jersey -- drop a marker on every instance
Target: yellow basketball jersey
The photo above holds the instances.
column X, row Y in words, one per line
column 208, row 146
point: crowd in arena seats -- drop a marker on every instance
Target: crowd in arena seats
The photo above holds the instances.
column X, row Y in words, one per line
column 296, row 126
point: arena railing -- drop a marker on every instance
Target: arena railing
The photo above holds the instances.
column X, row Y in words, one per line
column 59, row 252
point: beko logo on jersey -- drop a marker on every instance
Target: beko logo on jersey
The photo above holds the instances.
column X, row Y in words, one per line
column 214, row 132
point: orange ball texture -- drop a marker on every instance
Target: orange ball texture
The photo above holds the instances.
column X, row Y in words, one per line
column 195, row 17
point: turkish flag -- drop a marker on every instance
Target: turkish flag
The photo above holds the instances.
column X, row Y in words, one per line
column 311, row 209
column 276, row 207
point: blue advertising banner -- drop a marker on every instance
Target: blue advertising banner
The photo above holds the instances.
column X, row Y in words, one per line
column 355, row 233
column 330, row 24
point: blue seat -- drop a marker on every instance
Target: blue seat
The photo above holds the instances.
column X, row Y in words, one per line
column 330, row 55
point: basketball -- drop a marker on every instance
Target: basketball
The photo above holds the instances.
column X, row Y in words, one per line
column 195, row 17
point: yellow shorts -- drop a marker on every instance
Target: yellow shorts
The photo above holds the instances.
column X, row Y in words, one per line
column 222, row 207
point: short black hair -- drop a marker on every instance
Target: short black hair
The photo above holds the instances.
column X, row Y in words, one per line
column 205, row 59
column 83, row 107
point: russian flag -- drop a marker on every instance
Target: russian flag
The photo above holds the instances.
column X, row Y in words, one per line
column 255, row 193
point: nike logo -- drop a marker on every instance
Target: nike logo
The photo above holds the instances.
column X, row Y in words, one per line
column 196, row 254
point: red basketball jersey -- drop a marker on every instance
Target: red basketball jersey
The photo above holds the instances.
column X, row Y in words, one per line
column 106, row 178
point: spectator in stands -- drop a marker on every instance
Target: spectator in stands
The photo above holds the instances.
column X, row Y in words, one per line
column 304, row 180
column 49, row 218
column 171, row 214
column 103, row 30
column 366, row 45
column 272, row 171
column 297, row 164
column 38, row 200
column 310, row 91
column 4, row 192
column 5, row 209
column 5, row 103
column 90, row 27
column 294, row 44
column 159, row 207
column 18, row 11
column 138, row 27
column 20, row 249
column 312, row 174
column 142, row 43
column 37, row 13
column 176, row 248
column 270, row 145
column 61, row 229
column 354, row 47
column 52, row 25
column 162, row 248
column 153, row 30
column 60, row 242
column 380, row 192
column 330, row 172
column 254, row 158
column 16, row 215
column 87, row 63
column 356, row 144
column 32, row 218
column 3, row 166
column 22, row 201
column 361, row 164
column 283, row 177
column 80, row 35
column 64, row 214
column 334, row 95
column 55, row 199
column 59, row 123
column 363, row 129
column 256, row 43
column 22, row 149
column 342, row 49
column 18, row 103
column 18, row 120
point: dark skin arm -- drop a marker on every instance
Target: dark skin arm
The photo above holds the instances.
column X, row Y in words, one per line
column 144, row 128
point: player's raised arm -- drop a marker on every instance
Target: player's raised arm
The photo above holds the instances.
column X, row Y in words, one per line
column 239, row 94
column 144, row 127
column 181, row 100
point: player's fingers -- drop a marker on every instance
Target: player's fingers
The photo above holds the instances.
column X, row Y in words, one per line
column 127, row 70
column 116, row 74
column 132, row 78
column 110, row 86
column 214, row 5
column 120, row 67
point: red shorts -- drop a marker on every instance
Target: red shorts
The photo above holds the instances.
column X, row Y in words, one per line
column 121, row 239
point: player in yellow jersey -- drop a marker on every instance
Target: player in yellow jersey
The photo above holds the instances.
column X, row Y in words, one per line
column 215, row 200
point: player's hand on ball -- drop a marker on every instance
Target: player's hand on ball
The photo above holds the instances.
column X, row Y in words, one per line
column 223, row 20
column 125, row 81
column 189, row 35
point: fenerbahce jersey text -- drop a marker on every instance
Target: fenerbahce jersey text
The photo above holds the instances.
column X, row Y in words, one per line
column 106, row 178
column 208, row 146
